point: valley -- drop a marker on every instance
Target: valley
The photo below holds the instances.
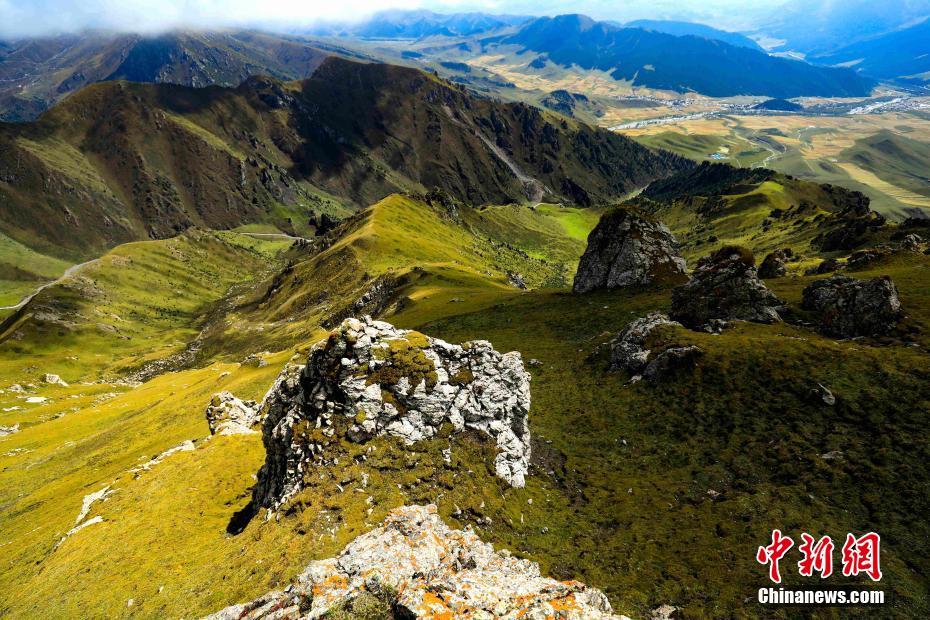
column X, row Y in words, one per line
column 428, row 315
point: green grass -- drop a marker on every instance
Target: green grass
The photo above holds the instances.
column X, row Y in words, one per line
column 204, row 134
column 741, row 222
column 621, row 473
column 548, row 232
column 898, row 160
column 619, row 496
column 142, row 301
column 64, row 158
column 737, row 150
column 23, row 270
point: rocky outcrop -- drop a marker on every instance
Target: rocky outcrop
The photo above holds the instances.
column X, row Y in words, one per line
column 775, row 264
column 627, row 249
column 628, row 351
column 370, row 379
column 849, row 307
column 725, row 286
column 8, row 430
column 54, row 380
column 421, row 568
column 829, row 265
column 911, row 242
column 228, row 415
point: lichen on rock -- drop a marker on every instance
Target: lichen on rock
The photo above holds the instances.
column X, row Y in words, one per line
column 228, row 415
column 427, row 570
column 369, row 379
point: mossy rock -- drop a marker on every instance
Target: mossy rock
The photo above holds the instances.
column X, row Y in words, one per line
column 406, row 358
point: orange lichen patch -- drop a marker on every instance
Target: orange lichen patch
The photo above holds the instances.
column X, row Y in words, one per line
column 565, row 604
column 333, row 582
column 435, row 608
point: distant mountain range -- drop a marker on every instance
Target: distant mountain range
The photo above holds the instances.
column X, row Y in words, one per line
column 36, row 73
column 688, row 63
column 684, row 29
column 121, row 161
column 903, row 55
column 403, row 24
column 818, row 27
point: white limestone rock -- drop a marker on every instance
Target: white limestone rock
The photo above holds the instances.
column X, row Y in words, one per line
column 430, row 571
column 370, row 379
column 228, row 415
column 54, row 380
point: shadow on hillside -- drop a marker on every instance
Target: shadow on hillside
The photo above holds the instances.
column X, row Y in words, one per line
column 241, row 519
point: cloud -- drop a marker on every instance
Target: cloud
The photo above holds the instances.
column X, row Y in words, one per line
column 33, row 17
column 37, row 17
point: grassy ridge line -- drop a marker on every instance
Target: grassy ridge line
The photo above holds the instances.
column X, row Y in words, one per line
column 213, row 480
column 23, row 269
column 140, row 302
column 459, row 259
column 722, row 428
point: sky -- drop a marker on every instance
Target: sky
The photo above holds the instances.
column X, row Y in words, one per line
column 39, row 17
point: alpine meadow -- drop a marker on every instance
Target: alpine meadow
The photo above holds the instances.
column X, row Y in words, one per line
column 460, row 309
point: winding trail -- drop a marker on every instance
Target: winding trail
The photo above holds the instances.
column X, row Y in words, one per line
column 70, row 271
column 274, row 236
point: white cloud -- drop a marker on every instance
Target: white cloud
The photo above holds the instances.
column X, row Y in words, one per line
column 34, row 17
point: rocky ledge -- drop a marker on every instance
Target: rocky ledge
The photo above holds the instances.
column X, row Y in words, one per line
column 627, row 249
column 370, row 379
column 849, row 307
column 415, row 566
column 725, row 287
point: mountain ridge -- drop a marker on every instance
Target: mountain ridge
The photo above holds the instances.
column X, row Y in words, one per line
column 689, row 63
column 37, row 73
column 152, row 160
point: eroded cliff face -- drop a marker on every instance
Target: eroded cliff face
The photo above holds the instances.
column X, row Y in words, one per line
column 415, row 566
column 370, row 379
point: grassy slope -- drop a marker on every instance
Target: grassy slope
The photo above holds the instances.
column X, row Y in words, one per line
column 620, row 495
column 461, row 259
column 741, row 222
column 22, row 270
column 896, row 159
column 142, row 301
column 736, row 149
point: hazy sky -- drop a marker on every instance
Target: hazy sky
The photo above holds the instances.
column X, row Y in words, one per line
column 32, row 17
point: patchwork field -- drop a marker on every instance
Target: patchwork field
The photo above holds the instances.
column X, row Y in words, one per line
column 825, row 149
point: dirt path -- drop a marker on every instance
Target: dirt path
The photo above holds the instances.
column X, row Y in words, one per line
column 70, row 271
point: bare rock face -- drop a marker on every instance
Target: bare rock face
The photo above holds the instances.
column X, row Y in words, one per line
column 427, row 570
column 628, row 351
column 725, row 287
column 228, row 415
column 849, row 307
column 626, row 249
column 370, row 379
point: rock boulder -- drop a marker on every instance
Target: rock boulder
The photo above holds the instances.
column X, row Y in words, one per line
column 628, row 351
column 775, row 265
column 228, row 415
column 725, row 287
column 627, row 249
column 420, row 568
column 370, row 379
column 849, row 307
